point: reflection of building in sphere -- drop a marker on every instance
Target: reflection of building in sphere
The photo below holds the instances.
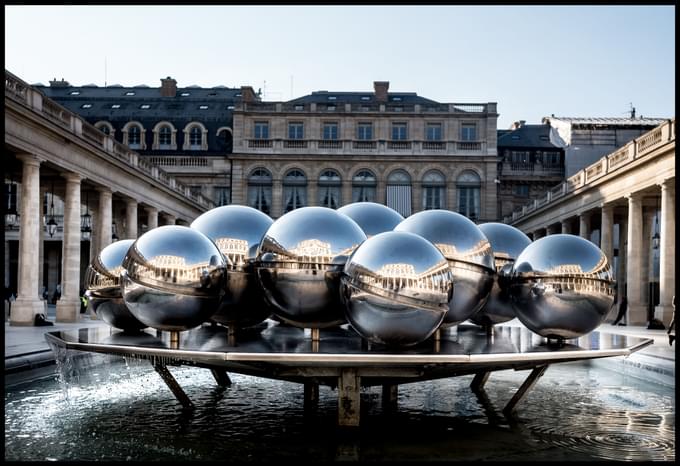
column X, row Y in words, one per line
column 233, row 249
column 474, row 254
column 313, row 250
column 173, row 268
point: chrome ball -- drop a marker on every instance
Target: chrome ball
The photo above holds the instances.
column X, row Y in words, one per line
column 237, row 231
column 397, row 288
column 562, row 286
column 173, row 278
column 102, row 282
column 299, row 263
column 469, row 255
column 507, row 242
column 373, row 218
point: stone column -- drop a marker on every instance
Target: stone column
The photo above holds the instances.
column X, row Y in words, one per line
column 637, row 314
column 313, row 193
column 622, row 267
column 170, row 219
column 346, row 192
column 41, row 242
column 28, row 301
column 131, row 219
column 381, row 191
column 606, row 232
column 104, row 218
column 566, row 227
column 584, row 225
column 277, row 198
column 152, row 218
column 646, row 247
column 417, row 197
column 664, row 311
column 68, row 306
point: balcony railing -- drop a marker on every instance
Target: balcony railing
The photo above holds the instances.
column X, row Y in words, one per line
column 332, row 144
column 294, row 144
column 434, row 145
column 173, row 161
column 260, row 143
column 399, row 145
column 470, row 146
column 364, row 145
column 632, row 151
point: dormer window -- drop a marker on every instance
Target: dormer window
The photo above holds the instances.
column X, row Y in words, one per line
column 203, row 107
column 74, row 93
column 185, row 94
column 330, row 107
column 365, row 97
column 299, row 107
column 238, row 95
column 130, row 93
column 396, row 99
column 145, row 106
column 332, row 97
column 86, row 106
column 115, row 106
column 230, row 107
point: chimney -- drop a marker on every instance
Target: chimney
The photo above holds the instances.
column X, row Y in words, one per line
column 380, row 88
column 518, row 124
column 247, row 94
column 168, row 87
column 62, row 83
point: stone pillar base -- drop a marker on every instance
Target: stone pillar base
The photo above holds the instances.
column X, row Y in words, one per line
column 68, row 310
column 23, row 311
column 664, row 314
column 637, row 314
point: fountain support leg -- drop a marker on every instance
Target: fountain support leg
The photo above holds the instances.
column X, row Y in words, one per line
column 479, row 380
column 349, row 399
column 528, row 384
column 221, row 377
column 390, row 393
column 173, row 385
column 311, row 396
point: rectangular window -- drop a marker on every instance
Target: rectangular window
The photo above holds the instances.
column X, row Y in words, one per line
column 330, row 108
column 261, row 130
column 221, row 195
column 399, row 131
column 551, row 159
column 299, row 107
column 433, row 197
column 295, row 130
column 365, row 131
column 468, row 132
column 330, row 131
column 519, row 157
column 433, row 132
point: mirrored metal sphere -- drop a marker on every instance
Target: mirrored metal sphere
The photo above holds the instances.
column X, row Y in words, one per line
column 397, row 288
column 102, row 282
column 373, row 218
column 173, row 278
column 299, row 263
column 237, row 231
column 468, row 252
column 507, row 242
column 562, row 286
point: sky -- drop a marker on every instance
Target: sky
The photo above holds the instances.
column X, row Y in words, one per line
column 534, row 61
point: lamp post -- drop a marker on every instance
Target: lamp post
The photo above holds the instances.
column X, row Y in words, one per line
column 52, row 223
column 86, row 220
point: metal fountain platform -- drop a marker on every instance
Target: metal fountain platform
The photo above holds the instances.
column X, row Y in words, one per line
column 338, row 357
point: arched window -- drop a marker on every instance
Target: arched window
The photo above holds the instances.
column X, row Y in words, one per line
column 164, row 137
column 294, row 190
column 105, row 127
column 329, row 189
column 225, row 141
column 134, row 137
column 260, row 190
column 434, row 190
column 399, row 192
column 195, row 136
column 469, row 186
column 364, row 186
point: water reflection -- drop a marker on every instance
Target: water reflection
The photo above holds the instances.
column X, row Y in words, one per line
column 120, row 410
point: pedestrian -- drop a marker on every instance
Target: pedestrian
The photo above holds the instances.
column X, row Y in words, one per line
column 671, row 326
column 623, row 307
column 57, row 294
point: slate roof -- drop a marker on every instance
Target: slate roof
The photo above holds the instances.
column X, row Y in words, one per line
column 613, row 121
column 529, row 136
column 409, row 98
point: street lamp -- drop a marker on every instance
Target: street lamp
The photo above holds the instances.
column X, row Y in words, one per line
column 52, row 223
column 656, row 239
column 11, row 214
column 86, row 220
